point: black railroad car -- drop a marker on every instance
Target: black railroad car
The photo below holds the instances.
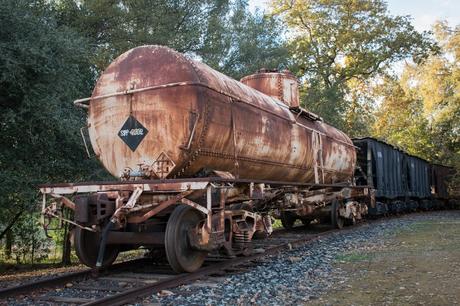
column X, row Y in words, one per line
column 418, row 177
column 418, row 183
column 401, row 181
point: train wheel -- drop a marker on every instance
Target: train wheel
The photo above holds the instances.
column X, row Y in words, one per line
column 87, row 248
column 336, row 220
column 180, row 255
column 287, row 220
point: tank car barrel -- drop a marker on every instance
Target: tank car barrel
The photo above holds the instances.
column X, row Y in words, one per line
column 171, row 116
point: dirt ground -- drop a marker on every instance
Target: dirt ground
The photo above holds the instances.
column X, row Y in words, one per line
column 11, row 275
column 420, row 265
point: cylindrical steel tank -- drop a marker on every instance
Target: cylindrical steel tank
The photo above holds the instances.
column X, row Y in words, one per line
column 174, row 116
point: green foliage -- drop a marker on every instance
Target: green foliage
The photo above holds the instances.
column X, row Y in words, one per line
column 239, row 43
column 399, row 119
column 359, row 116
column 334, row 41
column 354, row 257
column 113, row 27
column 30, row 243
column 43, row 67
column 420, row 110
column 223, row 33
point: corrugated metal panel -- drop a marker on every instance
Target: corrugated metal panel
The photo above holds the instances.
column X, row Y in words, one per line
column 387, row 162
column 389, row 165
column 395, row 173
column 419, row 183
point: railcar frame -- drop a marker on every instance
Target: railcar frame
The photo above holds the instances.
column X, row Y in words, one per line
column 129, row 214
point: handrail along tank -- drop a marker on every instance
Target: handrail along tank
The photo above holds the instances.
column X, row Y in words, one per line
column 155, row 113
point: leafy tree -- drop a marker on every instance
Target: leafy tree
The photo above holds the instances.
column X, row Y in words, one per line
column 239, row 43
column 43, row 66
column 420, row 110
column 223, row 33
column 359, row 115
column 115, row 26
column 333, row 42
column 399, row 118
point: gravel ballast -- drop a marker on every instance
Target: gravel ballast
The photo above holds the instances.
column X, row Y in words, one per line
column 300, row 275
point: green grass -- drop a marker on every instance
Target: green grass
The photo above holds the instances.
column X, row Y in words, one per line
column 353, row 257
column 418, row 264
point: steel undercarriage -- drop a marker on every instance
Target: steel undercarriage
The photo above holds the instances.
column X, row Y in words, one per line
column 189, row 218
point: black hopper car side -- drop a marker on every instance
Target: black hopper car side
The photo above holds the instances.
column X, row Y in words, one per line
column 402, row 182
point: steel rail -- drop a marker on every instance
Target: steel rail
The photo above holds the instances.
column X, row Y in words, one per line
column 60, row 279
column 130, row 295
column 43, row 283
column 135, row 293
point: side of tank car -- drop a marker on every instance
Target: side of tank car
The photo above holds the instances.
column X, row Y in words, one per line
column 401, row 182
column 203, row 161
column 156, row 114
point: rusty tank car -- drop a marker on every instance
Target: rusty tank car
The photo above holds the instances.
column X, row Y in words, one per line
column 181, row 117
column 203, row 161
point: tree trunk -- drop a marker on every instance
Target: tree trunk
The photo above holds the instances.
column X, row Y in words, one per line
column 15, row 218
column 33, row 250
column 66, row 248
column 8, row 243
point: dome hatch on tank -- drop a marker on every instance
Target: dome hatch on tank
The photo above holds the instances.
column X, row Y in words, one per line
column 281, row 85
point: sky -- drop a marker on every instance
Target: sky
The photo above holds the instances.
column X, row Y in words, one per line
column 423, row 12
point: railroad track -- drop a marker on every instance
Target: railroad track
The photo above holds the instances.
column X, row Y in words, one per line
column 132, row 280
column 49, row 283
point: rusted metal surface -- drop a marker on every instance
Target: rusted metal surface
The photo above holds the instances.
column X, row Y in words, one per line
column 138, row 201
column 139, row 205
column 170, row 185
column 191, row 117
column 158, row 208
column 311, row 204
column 353, row 210
column 148, row 186
column 231, row 211
column 65, row 201
column 281, row 85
